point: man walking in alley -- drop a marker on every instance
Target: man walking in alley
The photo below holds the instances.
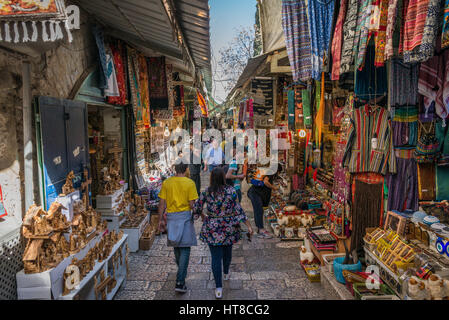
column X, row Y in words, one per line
column 214, row 156
column 177, row 197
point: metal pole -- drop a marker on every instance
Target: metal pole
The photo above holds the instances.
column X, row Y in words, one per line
column 27, row 135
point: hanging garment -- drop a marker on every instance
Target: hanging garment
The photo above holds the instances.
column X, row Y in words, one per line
column 428, row 147
column 414, row 22
column 321, row 13
column 299, row 115
column 403, row 79
column 337, row 41
column 251, row 113
column 349, row 36
column 426, row 182
column 133, row 72
column 426, row 48
column 405, row 126
column 99, row 40
column 297, row 38
column 371, row 82
column 367, row 208
column 122, row 98
column 445, row 32
column 378, row 29
column 143, row 86
column 393, row 10
column 362, row 31
column 403, row 186
column 442, row 134
column 307, row 107
column 442, row 183
column 158, row 83
column 291, row 109
column 319, row 119
column 369, row 147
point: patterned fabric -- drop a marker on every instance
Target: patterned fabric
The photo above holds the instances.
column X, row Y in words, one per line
column 158, row 83
column 405, row 126
column 380, row 33
column 415, row 20
column 307, row 108
column 144, row 93
column 362, row 30
column 426, row 48
column 297, row 38
column 349, row 36
column 403, row 186
column 445, row 33
column 361, row 154
column 99, row 40
column 291, row 109
column 223, row 215
column 121, row 77
column 403, row 80
column 391, row 23
column 133, row 70
column 337, row 41
column 320, row 21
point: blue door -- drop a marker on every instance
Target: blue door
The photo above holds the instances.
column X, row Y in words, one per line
column 64, row 144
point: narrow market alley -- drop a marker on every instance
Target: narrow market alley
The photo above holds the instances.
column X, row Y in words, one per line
column 260, row 269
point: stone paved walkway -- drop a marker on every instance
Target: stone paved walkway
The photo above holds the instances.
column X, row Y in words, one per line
column 261, row 269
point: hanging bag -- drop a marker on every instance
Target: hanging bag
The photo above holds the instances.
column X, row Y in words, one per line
column 428, row 147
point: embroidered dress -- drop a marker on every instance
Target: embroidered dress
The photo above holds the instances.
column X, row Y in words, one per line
column 337, row 41
column 349, row 33
column 223, row 215
column 297, row 38
column 321, row 13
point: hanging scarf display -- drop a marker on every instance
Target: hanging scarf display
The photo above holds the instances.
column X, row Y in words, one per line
column 307, row 108
column 445, row 33
column 297, row 38
column 291, row 109
column 122, row 98
column 414, row 22
column 133, row 73
column 143, row 82
column 403, row 79
column 321, row 15
column 99, row 40
column 251, row 113
column 392, row 22
column 379, row 21
column 362, row 32
column 158, row 83
column 299, row 114
column 319, row 119
column 337, row 41
column 349, row 37
column 111, row 89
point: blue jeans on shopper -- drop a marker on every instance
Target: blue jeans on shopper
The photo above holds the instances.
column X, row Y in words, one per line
column 221, row 255
column 182, row 256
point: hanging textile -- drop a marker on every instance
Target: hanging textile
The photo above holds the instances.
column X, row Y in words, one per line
column 405, row 126
column 362, row 31
column 3, row 212
column 251, row 113
column 291, row 109
column 297, row 38
column 202, row 103
column 403, row 186
column 158, row 83
column 144, row 83
column 392, row 23
column 445, row 32
column 299, row 115
column 179, row 109
column 133, row 73
column 111, row 89
column 379, row 21
column 367, row 208
column 99, row 40
column 426, row 47
column 442, row 134
column 349, row 36
column 337, row 41
column 319, row 119
column 403, row 79
column 369, row 147
column 442, row 183
column 122, row 98
column 426, row 181
column 321, row 14
column 307, row 108
column 414, row 22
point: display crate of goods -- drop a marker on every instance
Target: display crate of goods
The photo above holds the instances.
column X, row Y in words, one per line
column 372, row 237
column 360, row 291
column 312, row 270
column 135, row 232
column 109, row 201
column 147, row 239
column 329, row 260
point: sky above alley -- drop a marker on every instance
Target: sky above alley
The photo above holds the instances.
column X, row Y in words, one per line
column 226, row 17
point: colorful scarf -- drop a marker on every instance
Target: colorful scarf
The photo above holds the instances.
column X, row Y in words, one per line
column 306, row 107
column 362, row 32
column 320, row 21
column 415, row 20
column 133, row 70
column 349, row 36
column 391, row 24
column 337, row 41
column 121, row 77
column 445, row 33
column 291, row 109
column 380, row 32
column 158, row 83
column 145, row 99
column 297, row 38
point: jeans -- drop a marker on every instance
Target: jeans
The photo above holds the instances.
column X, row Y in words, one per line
column 197, row 179
column 220, row 255
column 239, row 194
column 256, row 201
column 211, row 167
column 182, row 255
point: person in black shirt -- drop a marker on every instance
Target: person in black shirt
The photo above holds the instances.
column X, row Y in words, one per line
column 195, row 169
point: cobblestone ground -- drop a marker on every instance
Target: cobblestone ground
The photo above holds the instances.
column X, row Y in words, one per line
column 262, row 269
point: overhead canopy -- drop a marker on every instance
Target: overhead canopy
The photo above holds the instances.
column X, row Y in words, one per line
column 146, row 23
column 270, row 14
column 251, row 69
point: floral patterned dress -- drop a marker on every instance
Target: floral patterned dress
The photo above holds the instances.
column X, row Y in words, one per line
column 223, row 216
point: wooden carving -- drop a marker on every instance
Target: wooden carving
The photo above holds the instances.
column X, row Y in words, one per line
column 68, row 188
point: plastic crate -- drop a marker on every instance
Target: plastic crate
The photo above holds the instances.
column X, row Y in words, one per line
column 383, row 290
column 329, row 260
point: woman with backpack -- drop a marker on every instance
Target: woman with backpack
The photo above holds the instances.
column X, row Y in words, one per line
column 221, row 224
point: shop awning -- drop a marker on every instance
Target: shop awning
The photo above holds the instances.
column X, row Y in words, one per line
column 146, row 23
column 251, row 69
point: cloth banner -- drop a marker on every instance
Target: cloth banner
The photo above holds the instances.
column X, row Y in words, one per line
column 263, row 98
column 158, row 83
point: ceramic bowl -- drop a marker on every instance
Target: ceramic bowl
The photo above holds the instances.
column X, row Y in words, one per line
column 429, row 220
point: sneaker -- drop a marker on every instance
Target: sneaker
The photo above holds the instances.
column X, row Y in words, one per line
column 264, row 235
column 219, row 293
column 181, row 288
column 226, row 276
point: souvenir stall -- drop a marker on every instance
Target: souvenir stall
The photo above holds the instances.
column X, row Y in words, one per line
column 374, row 113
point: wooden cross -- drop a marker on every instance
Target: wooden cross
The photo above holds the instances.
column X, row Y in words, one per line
column 115, row 151
column 85, row 187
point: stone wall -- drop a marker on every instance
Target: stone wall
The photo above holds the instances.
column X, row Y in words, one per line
column 54, row 73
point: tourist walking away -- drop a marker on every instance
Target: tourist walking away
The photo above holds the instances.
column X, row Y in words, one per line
column 177, row 198
column 260, row 194
column 195, row 169
column 235, row 175
column 221, row 224
column 214, row 156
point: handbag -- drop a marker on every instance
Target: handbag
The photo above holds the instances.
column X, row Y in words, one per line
column 428, row 147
